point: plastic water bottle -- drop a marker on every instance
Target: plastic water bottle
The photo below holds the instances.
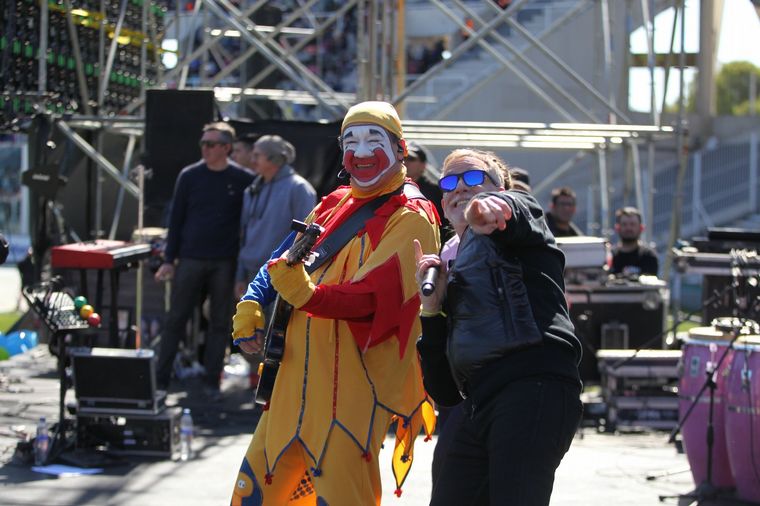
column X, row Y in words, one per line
column 41, row 442
column 186, row 435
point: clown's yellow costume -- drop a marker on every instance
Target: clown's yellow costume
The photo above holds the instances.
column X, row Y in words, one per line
column 350, row 365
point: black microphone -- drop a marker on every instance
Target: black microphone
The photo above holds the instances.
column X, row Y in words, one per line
column 428, row 281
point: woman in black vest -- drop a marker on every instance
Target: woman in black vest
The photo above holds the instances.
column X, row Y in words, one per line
column 496, row 336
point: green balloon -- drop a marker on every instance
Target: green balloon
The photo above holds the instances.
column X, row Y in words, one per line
column 4, row 355
column 79, row 302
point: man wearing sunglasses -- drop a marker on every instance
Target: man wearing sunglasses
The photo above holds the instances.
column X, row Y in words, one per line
column 201, row 250
column 350, row 365
column 472, row 178
column 497, row 339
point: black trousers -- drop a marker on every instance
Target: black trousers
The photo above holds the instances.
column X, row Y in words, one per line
column 506, row 452
column 448, row 421
column 190, row 278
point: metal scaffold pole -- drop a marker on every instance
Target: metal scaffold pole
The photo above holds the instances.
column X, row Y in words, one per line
column 682, row 154
column 400, row 62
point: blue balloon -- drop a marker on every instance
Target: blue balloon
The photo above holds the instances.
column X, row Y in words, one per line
column 20, row 341
column 4, row 355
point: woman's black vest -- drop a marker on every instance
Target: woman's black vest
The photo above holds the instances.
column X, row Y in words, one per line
column 488, row 308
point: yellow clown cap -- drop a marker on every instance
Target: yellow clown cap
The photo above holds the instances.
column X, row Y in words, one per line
column 376, row 113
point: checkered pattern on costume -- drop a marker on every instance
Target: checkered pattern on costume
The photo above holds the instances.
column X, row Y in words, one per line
column 305, row 487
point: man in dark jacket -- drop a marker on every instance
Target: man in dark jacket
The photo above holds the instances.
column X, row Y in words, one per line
column 201, row 250
column 496, row 333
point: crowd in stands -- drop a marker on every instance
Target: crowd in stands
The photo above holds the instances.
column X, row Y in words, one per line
column 421, row 56
column 331, row 56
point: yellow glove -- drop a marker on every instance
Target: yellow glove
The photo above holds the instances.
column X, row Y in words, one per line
column 248, row 318
column 292, row 283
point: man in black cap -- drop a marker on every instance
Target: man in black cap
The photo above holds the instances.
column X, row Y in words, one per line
column 416, row 170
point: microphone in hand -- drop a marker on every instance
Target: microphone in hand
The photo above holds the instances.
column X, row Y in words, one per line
column 428, row 281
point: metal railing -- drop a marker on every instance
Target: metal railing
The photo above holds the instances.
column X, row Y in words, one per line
column 721, row 188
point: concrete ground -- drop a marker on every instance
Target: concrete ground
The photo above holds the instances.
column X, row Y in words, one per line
column 599, row 470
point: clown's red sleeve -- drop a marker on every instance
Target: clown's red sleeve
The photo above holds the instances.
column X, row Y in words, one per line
column 382, row 301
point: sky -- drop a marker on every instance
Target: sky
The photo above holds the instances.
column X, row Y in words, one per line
column 739, row 40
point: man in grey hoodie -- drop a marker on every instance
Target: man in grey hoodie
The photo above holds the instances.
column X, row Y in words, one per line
column 277, row 196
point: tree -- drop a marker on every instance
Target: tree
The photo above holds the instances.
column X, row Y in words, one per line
column 732, row 88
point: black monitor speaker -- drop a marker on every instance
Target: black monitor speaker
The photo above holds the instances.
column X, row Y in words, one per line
column 114, row 380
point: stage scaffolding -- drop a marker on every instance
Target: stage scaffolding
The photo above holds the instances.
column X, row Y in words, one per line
column 380, row 64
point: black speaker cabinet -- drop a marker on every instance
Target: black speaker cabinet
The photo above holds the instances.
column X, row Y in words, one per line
column 145, row 435
column 118, row 381
column 616, row 316
column 174, row 122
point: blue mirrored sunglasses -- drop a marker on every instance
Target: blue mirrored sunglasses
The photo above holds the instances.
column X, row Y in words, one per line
column 472, row 177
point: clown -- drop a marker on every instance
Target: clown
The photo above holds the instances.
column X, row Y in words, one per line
column 350, row 366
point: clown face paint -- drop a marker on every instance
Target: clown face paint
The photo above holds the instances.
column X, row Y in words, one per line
column 367, row 153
